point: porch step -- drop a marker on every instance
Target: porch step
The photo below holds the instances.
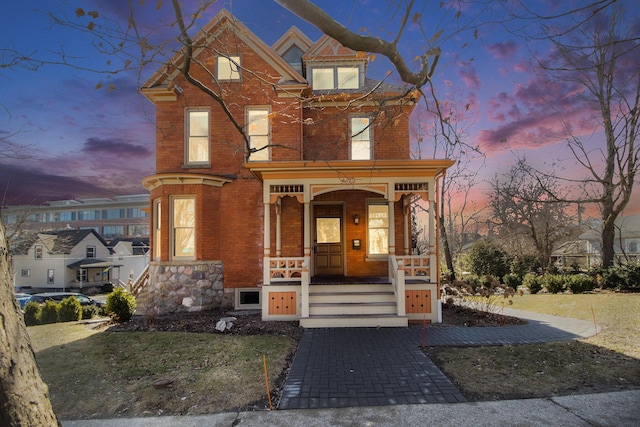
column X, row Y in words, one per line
column 352, row 305
column 362, row 321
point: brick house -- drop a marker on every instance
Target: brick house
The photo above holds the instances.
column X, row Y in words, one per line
column 308, row 217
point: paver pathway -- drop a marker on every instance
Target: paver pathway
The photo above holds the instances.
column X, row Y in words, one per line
column 347, row 367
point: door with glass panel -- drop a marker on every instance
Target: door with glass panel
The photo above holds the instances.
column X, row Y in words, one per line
column 328, row 247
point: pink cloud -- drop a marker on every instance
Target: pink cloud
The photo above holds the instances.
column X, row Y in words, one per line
column 503, row 50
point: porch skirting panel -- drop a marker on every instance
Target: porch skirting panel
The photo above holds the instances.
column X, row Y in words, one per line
column 185, row 286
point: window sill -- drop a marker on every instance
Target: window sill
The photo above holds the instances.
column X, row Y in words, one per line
column 196, row 166
column 377, row 258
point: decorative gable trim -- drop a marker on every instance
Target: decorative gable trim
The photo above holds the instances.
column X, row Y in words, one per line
column 160, row 85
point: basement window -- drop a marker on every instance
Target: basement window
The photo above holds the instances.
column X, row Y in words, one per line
column 248, row 299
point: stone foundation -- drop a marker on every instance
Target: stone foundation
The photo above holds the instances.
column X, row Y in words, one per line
column 186, row 286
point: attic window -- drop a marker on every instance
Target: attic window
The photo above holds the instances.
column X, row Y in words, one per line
column 228, row 67
column 327, row 78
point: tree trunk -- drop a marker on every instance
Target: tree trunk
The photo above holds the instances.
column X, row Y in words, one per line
column 608, row 239
column 24, row 397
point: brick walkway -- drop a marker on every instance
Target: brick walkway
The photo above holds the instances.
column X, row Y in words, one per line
column 348, row 367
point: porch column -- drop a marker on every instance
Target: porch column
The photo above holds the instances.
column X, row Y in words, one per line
column 279, row 227
column 266, row 270
column 392, row 229
column 406, row 203
column 307, row 229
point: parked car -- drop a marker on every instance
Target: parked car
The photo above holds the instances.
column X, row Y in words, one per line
column 22, row 299
column 59, row 296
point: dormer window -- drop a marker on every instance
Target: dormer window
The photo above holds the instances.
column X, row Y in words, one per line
column 328, row 78
column 228, row 68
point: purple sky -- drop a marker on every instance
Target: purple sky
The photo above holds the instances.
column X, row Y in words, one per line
column 87, row 134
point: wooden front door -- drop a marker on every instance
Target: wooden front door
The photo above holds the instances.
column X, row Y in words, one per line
column 328, row 247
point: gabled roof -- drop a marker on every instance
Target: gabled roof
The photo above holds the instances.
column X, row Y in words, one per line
column 163, row 78
column 293, row 37
column 63, row 241
column 327, row 49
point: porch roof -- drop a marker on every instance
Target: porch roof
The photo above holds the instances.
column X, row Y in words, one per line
column 345, row 169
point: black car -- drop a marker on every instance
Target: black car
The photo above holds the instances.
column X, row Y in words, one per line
column 59, row 296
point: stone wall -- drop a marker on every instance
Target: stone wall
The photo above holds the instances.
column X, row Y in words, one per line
column 187, row 286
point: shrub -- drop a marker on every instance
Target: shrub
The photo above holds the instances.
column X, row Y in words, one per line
column 487, row 258
column 121, row 305
column 512, row 280
column 49, row 313
column 32, row 314
column 630, row 274
column 70, row 310
column 554, row 283
column 579, row 283
column 89, row 311
column 533, row 283
column 523, row 264
column 625, row 277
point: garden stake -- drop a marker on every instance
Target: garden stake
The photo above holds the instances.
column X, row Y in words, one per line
column 266, row 377
column 595, row 325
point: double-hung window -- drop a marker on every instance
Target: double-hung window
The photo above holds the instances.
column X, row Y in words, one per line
column 157, row 224
column 228, row 67
column 183, row 216
column 361, row 147
column 258, row 133
column 37, row 251
column 91, row 252
column 197, row 143
column 378, row 229
column 328, row 78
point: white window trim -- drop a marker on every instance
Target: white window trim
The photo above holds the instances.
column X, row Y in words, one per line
column 377, row 257
column 187, row 136
column 172, row 243
column 371, row 136
column 336, row 81
column 35, row 252
column 268, row 135
column 234, row 61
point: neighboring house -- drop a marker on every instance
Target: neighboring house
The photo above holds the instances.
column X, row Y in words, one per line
column 310, row 219
column 132, row 254
column 67, row 260
column 120, row 216
column 586, row 252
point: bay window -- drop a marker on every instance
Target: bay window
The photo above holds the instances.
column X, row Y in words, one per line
column 183, row 215
column 328, row 78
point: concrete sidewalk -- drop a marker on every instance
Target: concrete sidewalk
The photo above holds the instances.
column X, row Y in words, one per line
column 620, row 409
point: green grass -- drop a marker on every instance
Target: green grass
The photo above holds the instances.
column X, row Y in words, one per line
column 113, row 374
column 609, row 361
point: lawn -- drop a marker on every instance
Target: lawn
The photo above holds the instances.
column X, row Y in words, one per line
column 94, row 374
column 607, row 362
column 108, row 374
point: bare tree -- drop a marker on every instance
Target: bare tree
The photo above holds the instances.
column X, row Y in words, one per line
column 526, row 215
column 601, row 59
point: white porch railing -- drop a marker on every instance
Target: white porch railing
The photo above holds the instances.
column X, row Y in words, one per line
column 286, row 269
column 396, row 277
column 415, row 266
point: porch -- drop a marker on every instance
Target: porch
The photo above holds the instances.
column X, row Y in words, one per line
column 406, row 295
column 351, row 224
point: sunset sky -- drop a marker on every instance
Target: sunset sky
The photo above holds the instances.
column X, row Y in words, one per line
column 85, row 133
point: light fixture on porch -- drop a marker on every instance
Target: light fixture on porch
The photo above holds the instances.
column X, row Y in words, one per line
column 356, row 219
